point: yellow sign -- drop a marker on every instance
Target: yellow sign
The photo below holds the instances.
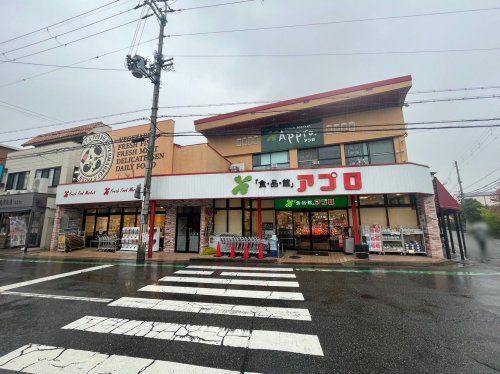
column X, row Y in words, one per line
column 122, row 154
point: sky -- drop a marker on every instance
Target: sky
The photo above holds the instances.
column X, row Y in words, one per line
column 71, row 94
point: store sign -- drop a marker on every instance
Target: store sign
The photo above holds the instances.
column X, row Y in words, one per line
column 317, row 182
column 117, row 155
column 17, row 231
column 298, row 135
column 317, row 202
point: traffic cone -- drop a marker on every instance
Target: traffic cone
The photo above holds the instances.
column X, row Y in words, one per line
column 233, row 250
column 218, row 251
column 260, row 256
column 246, row 252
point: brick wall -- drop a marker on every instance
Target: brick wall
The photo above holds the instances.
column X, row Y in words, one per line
column 428, row 220
column 170, row 227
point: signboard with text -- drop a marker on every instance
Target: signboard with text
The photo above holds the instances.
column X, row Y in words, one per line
column 320, row 182
column 120, row 154
column 296, row 135
column 314, row 202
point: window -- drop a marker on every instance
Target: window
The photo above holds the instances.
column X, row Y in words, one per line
column 374, row 152
column 17, row 181
column 324, row 156
column 52, row 174
column 277, row 160
column 371, row 200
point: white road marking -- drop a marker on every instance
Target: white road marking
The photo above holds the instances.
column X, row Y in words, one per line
column 274, row 295
column 194, row 272
column 298, row 314
column 37, row 358
column 257, row 275
column 213, row 335
column 239, row 282
column 60, row 297
column 52, row 277
column 223, row 267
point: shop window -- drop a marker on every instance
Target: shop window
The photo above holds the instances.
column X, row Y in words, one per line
column 160, row 221
column 220, row 203
column 89, row 225
column 129, row 210
column 374, row 152
column 116, row 210
column 373, row 216
column 324, row 156
column 235, row 222
column 101, row 226
column 398, row 199
column 52, row 174
column 264, row 204
column 129, row 220
column 114, row 225
column 267, row 217
column 404, row 217
column 275, row 160
column 220, row 221
column 17, row 181
column 235, row 203
column 371, row 200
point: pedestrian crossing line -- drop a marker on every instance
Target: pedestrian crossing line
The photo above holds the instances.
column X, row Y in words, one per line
column 59, row 297
column 268, row 295
column 257, row 275
column 38, row 358
column 298, row 314
column 224, row 267
column 239, row 282
column 212, row 335
column 194, row 272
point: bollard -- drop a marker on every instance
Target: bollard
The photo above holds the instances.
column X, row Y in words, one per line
column 246, row 252
column 232, row 254
column 218, row 252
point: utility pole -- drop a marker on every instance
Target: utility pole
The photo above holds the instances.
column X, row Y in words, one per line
column 140, row 68
column 459, row 183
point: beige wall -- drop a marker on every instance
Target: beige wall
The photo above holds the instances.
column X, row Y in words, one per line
column 198, row 158
column 239, row 149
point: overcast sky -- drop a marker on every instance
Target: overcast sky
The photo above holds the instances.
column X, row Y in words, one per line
column 69, row 94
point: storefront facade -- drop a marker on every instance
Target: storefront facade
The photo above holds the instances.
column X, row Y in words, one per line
column 311, row 170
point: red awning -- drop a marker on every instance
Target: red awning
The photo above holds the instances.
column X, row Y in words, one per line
column 445, row 199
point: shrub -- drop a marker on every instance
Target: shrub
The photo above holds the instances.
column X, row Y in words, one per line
column 493, row 221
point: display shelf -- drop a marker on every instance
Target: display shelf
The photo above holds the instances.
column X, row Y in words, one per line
column 130, row 239
column 108, row 243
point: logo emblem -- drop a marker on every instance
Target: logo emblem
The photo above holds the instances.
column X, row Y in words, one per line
column 96, row 158
column 241, row 185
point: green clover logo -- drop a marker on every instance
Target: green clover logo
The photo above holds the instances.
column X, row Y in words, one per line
column 241, row 185
column 289, row 204
column 272, row 136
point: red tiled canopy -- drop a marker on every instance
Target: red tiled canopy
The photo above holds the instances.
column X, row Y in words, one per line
column 445, row 199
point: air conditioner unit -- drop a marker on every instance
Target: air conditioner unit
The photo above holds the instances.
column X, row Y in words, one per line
column 40, row 185
column 315, row 162
column 274, row 166
column 237, row 167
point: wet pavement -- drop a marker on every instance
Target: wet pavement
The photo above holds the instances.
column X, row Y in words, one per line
column 442, row 319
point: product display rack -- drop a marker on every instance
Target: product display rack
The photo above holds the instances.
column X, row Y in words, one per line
column 402, row 240
column 108, row 243
column 130, row 239
column 413, row 241
column 392, row 241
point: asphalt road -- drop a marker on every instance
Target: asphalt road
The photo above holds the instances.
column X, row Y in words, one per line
column 355, row 320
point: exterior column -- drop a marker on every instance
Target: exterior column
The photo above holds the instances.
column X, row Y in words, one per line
column 457, row 229
column 355, row 221
column 259, row 217
column 459, row 215
column 206, row 223
column 57, row 227
column 430, row 225
column 170, row 228
column 451, row 233
column 152, row 212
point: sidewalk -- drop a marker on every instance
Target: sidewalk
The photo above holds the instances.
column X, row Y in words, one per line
column 289, row 258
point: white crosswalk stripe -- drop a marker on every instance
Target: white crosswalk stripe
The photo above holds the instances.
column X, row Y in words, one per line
column 241, row 268
column 269, row 295
column 256, row 275
column 230, row 282
column 37, row 358
column 194, row 272
column 213, row 335
column 213, row 308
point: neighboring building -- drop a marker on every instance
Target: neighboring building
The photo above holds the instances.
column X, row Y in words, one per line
column 4, row 151
column 27, row 196
column 307, row 169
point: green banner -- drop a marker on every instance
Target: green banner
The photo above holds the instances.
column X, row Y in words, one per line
column 318, row 202
column 295, row 135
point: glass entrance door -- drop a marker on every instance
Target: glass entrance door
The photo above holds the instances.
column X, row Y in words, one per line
column 188, row 230
column 320, row 232
column 302, row 230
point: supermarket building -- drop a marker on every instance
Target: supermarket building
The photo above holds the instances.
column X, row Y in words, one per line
column 308, row 170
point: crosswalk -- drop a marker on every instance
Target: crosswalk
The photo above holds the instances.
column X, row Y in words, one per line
column 178, row 294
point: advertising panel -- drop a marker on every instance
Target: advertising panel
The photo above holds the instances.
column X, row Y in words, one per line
column 17, row 231
column 314, row 202
column 294, row 135
column 120, row 154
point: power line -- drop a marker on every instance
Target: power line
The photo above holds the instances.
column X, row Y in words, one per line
column 27, row 112
column 486, row 187
column 59, row 22
column 483, row 178
column 212, row 5
column 60, row 66
column 333, row 22
column 66, row 32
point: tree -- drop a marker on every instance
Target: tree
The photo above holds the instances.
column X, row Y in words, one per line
column 493, row 221
column 472, row 210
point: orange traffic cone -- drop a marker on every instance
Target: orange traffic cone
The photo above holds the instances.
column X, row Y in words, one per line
column 260, row 256
column 218, row 251
column 233, row 250
column 246, row 252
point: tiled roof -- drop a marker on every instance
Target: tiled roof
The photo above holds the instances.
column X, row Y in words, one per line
column 64, row 134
